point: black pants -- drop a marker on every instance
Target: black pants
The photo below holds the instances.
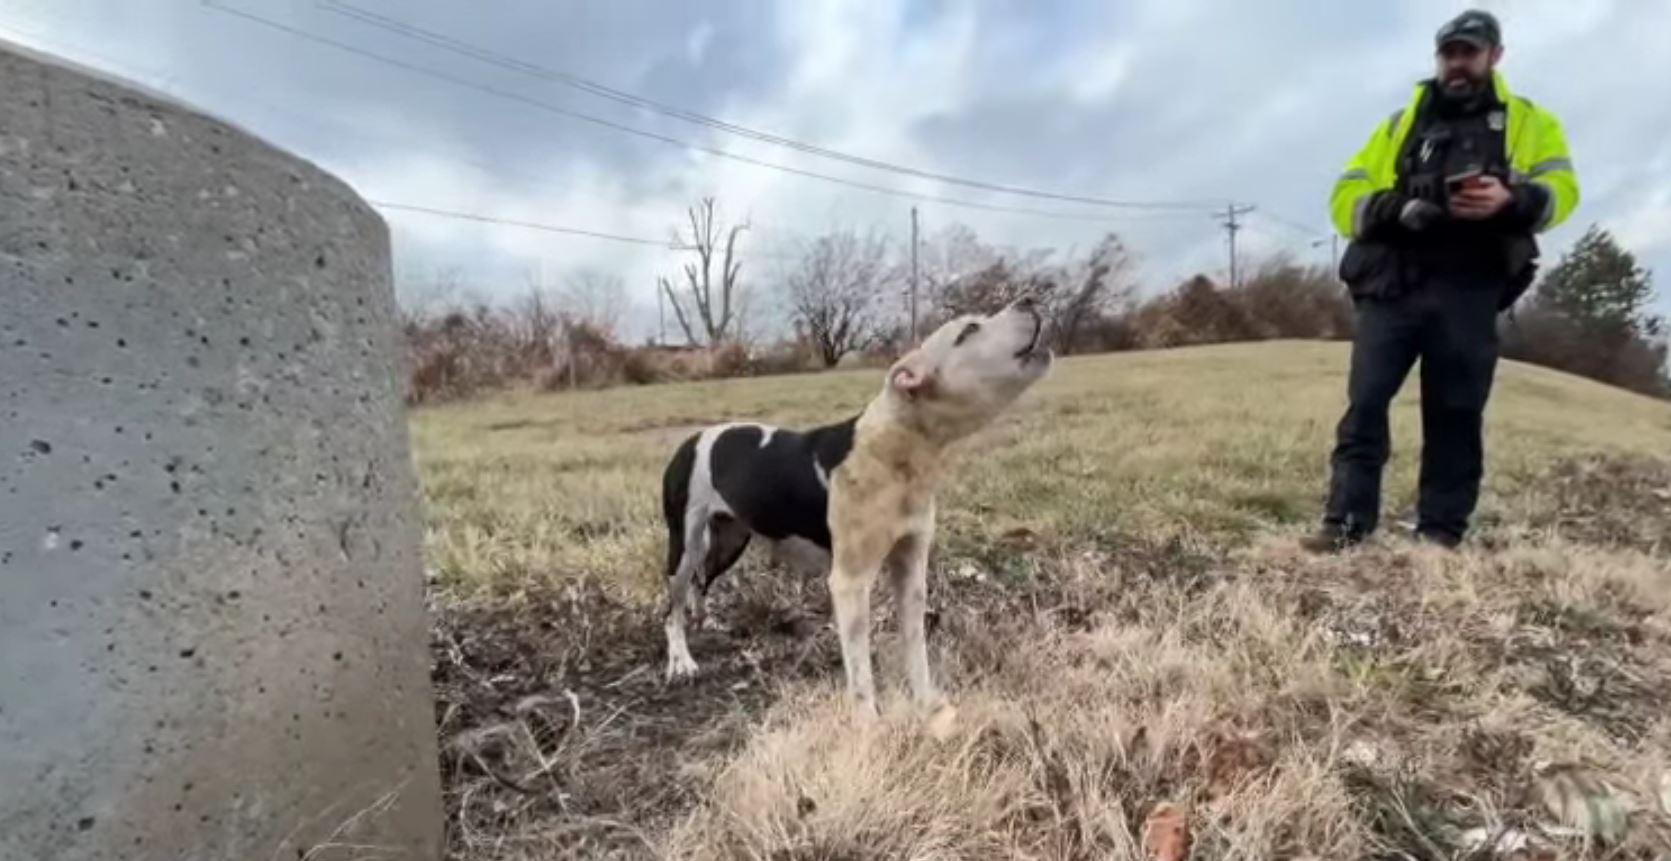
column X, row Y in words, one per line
column 1451, row 325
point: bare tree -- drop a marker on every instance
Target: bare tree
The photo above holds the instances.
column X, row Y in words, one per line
column 708, row 311
column 537, row 322
column 836, row 290
column 595, row 298
column 966, row 276
column 421, row 298
column 955, row 253
column 564, row 329
column 1089, row 290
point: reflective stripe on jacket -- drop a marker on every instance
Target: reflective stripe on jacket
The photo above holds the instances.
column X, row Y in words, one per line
column 1537, row 152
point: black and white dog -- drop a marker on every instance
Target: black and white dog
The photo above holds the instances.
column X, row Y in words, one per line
column 851, row 498
column 739, row 481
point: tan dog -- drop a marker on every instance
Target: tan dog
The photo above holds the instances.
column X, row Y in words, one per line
column 882, row 498
column 854, row 498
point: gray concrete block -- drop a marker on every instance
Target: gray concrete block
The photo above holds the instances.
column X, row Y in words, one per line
column 213, row 643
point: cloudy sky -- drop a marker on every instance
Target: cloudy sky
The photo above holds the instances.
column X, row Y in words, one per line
column 1146, row 101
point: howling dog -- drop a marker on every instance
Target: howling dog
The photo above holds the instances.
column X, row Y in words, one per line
column 854, row 498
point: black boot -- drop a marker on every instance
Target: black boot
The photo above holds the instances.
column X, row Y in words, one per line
column 1330, row 538
column 1438, row 538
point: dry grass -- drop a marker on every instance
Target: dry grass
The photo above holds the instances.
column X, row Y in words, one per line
column 1390, row 702
column 1121, row 615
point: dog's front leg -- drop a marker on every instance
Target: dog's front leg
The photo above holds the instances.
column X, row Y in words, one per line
column 679, row 588
column 908, row 571
column 851, row 576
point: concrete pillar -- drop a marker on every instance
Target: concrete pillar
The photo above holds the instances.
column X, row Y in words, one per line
column 212, row 634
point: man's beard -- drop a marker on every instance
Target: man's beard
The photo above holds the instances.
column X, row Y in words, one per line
column 1461, row 85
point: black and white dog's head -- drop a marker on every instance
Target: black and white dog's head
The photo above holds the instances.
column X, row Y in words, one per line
column 969, row 370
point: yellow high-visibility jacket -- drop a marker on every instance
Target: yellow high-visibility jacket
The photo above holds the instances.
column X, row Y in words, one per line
column 1537, row 152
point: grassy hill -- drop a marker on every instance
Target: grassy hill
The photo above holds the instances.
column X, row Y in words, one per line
column 1121, row 615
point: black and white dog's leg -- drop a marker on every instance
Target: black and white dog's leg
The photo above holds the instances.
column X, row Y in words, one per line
column 679, row 588
column 728, row 537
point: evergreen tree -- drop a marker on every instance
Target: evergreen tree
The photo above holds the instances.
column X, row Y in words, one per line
column 1599, row 286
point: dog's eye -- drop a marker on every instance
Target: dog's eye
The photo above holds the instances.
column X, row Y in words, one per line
column 968, row 330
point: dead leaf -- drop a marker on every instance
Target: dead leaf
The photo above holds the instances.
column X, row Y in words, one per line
column 1166, row 834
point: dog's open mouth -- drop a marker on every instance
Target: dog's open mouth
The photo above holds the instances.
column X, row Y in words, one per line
column 1031, row 351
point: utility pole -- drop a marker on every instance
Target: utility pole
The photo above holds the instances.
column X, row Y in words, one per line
column 913, row 275
column 1231, row 226
column 661, row 316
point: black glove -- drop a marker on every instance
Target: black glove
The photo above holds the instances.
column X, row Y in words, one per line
column 1527, row 203
column 1418, row 215
column 1380, row 217
column 1391, row 212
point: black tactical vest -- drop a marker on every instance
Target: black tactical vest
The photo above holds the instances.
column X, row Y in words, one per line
column 1448, row 141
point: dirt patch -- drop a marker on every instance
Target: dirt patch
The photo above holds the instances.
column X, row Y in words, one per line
column 560, row 738
column 517, row 424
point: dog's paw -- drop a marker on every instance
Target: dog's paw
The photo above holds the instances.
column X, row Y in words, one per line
column 680, row 667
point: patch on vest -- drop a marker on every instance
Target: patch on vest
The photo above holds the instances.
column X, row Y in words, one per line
column 1497, row 120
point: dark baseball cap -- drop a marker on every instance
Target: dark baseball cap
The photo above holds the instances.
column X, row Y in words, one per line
column 1475, row 27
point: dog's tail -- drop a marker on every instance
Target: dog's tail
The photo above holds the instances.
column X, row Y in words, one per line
column 675, row 497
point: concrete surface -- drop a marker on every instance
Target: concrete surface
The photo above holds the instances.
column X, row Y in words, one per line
column 212, row 632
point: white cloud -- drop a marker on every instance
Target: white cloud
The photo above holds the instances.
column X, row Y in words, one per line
column 1261, row 102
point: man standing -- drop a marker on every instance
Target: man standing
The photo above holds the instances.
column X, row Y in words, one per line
column 1441, row 206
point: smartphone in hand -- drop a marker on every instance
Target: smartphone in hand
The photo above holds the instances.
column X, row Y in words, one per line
column 1456, row 182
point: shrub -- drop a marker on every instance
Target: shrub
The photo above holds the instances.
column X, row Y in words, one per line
column 1544, row 336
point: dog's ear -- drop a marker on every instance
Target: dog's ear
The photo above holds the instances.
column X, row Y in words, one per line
column 912, row 378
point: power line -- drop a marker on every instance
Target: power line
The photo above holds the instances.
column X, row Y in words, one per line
column 113, row 65
column 531, row 225
column 554, row 228
column 118, row 67
column 671, row 141
column 1291, row 224
column 503, row 61
column 159, row 81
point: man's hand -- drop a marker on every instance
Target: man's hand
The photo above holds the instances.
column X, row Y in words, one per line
column 1480, row 199
column 1418, row 215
